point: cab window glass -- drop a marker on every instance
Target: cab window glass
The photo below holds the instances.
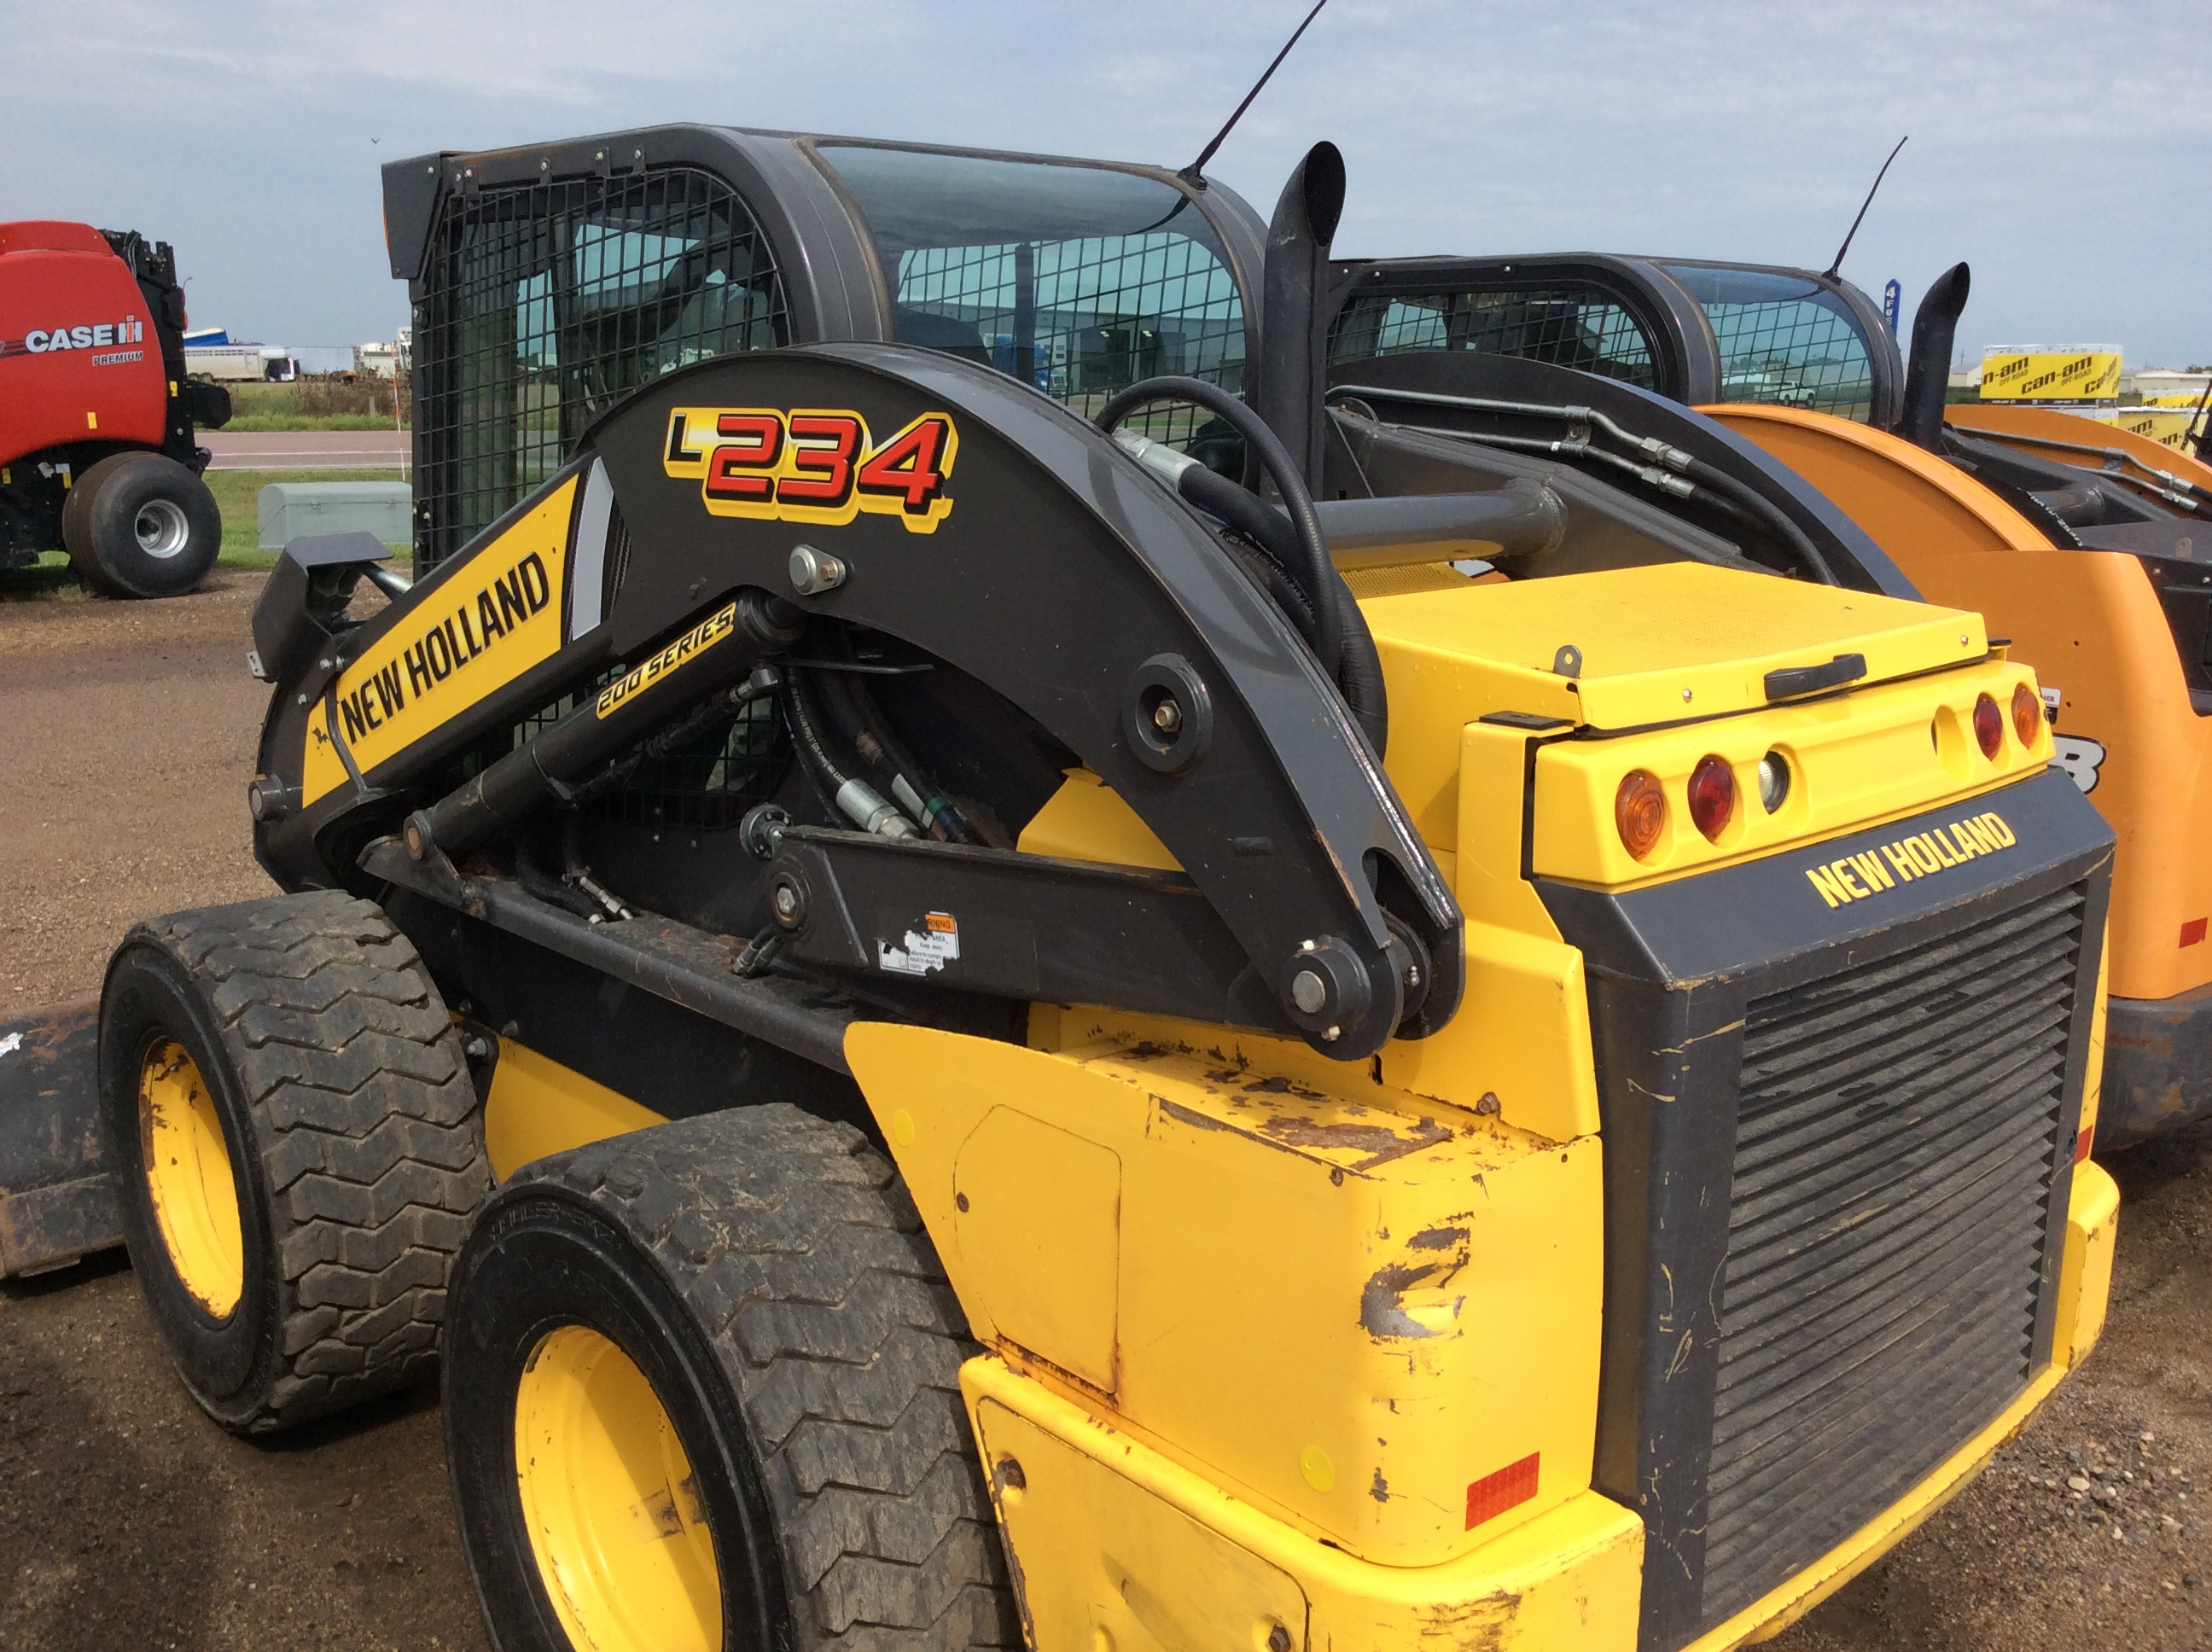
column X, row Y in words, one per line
column 1783, row 339
column 1078, row 279
column 1569, row 325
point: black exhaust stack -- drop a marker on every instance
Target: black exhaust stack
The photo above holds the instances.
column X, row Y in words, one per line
column 1293, row 324
column 1928, row 375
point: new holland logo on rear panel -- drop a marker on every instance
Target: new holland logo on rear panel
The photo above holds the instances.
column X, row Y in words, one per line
column 1923, row 854
column 816, row 465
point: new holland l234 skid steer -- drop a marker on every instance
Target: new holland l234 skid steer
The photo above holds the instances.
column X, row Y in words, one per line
column 2082, row 542
column 962, row 1029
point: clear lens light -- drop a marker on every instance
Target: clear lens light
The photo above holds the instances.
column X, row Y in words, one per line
column 1773, row 780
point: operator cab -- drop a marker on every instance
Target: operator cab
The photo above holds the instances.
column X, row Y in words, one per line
column 1690, row 330
column 1702, row 333
column 548, row 282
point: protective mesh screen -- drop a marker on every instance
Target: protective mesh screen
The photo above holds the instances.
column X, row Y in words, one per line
column 544, row 303
column 1108, row 311
column 1567, row 323
column 1783, row 339
column 1081, row 279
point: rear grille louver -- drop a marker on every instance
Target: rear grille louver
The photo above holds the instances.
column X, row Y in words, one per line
column 1895, row 1146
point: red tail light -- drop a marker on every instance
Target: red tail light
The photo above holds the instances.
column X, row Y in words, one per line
column 2027, row 713
column 1639, row 809
column 1712, row 797
column 1989, row 726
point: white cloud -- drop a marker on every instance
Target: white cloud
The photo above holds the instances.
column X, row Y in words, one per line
column 2058, row 147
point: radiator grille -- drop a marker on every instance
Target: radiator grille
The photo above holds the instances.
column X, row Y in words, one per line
column 1894, row 1146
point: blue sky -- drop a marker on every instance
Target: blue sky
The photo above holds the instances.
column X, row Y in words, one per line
column 2063, row 150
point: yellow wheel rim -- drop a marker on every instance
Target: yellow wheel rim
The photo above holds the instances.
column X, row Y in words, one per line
column 615, row 1514
column 188, row 1173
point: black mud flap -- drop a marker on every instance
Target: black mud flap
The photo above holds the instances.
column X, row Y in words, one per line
column 57, row 1197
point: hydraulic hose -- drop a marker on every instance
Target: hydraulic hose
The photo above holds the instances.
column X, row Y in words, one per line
column 2115, row 462
column 1313, row 570
column 537, row 882
column 1670, row 469
column 1358, row 668
column 1320, row 605
column 1764, row 510
column 847, row 794
column 935, row 811
column 852, row 711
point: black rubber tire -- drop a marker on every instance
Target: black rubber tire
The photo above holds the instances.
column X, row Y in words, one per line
column 767, row 1272
column 101, row 526
column 355, row 1140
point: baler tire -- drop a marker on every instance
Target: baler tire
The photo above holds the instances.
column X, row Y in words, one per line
column 139, row 524
column 767, row 1274
column 333, row 1076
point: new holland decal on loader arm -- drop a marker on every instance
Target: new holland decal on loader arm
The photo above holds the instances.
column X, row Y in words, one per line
column 2081, row 541
column 967, row 1032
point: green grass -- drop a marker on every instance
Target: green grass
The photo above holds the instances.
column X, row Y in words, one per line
column 325, row 403
column 253, row 422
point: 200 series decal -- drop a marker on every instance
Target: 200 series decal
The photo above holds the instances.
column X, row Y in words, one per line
column 812, row 464
column 1862, row 876
column 694, row 642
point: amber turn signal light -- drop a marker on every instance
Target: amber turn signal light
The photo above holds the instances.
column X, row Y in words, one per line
column 1639, row 809
column 2027, row 714
column 1712, row 797
column 1989, row 726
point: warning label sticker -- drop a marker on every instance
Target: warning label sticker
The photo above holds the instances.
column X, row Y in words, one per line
column 930, row 942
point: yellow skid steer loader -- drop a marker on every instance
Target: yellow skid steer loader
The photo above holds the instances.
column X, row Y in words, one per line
column 963, row 1029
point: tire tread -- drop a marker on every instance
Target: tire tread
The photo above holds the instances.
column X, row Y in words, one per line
column 368, row 1129
column 794, row 1245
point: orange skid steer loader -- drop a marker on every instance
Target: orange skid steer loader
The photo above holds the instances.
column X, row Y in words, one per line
column 2084, row 545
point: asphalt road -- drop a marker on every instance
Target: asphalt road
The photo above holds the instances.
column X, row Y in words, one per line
column 128, row 1520
column 306, row 450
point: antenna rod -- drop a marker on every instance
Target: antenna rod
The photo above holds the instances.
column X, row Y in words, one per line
column 1831, row 272
column 1192, row 170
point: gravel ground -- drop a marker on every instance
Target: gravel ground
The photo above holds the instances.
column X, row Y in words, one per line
column 127, row 1520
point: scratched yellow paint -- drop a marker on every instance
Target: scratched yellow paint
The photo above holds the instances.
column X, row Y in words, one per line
column 1410, row 1291
column 1113, row 1534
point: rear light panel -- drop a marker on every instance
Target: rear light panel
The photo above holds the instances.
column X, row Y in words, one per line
column 1607, row 806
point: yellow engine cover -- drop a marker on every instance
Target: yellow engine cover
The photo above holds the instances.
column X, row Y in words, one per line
column 1377, row 1317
